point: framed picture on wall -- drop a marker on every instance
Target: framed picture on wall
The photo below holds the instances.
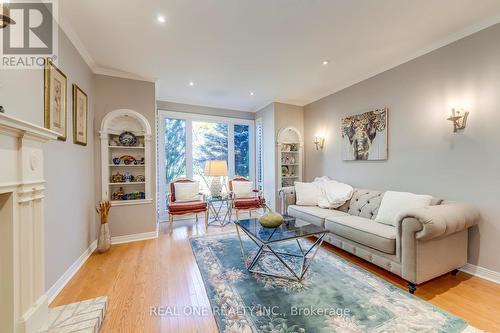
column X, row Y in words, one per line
column 80, row 116
column 55, row 91
column 364, row 136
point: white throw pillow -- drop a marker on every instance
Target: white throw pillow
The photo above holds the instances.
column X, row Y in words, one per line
column 334, row 194
column 395, row 203
column 242, row 189
column 188, row 191
column 307, row 194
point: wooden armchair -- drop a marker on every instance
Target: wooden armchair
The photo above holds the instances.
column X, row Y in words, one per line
column 245, row 197
column 195, row 203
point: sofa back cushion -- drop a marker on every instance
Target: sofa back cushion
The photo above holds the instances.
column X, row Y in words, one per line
column 307, row 194
column 364, row 203
column 394, row 203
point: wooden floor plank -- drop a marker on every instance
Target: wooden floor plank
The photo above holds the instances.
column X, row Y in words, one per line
column 163, row 272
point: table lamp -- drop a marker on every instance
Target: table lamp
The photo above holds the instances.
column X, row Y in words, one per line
column 216, row 169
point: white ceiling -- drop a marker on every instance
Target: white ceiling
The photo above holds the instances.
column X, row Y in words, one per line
column 229, row 48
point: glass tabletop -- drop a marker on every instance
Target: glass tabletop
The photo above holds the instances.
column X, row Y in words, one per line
column 286, row 231
column 217, row 198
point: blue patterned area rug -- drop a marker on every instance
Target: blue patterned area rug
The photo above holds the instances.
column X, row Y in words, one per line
column 334, row 296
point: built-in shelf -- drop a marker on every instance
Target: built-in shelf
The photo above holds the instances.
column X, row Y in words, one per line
column 113, row 125
column 130, row 202
column 128, row 183
column 125, row 147
column 290, row 156
column 127, row 166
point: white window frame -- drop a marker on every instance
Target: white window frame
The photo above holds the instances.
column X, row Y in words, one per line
column 259, row 149
column 189, row 118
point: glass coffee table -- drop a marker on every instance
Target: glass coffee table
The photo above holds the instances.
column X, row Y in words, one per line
column 269, row 241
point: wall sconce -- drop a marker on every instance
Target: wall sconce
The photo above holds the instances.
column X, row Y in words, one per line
column 459, row 119
column 319, row 142
column 5, row 19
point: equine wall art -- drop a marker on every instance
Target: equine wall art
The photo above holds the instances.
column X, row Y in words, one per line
column 364, row 136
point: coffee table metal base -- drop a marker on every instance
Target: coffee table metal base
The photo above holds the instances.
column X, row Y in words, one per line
column 307, row 255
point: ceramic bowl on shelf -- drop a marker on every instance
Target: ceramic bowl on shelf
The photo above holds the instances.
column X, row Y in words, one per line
column 117, row 160
column 127, row 159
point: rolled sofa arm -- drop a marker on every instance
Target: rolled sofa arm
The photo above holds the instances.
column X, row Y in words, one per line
column 442, row 220
column 287, row 197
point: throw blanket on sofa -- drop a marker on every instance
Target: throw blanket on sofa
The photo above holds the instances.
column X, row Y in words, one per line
column 335, row 194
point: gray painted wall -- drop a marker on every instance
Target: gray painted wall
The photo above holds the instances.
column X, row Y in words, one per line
column 116, row 93
column 205, row 110
column 425, row 156
column 70, row 224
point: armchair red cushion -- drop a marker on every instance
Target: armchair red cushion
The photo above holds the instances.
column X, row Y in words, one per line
column 248, row 203
column 188, row 206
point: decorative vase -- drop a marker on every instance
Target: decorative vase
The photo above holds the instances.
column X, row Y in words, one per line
column 117, row 160
column 271, row 219
column 216, row 187
column 104, row 239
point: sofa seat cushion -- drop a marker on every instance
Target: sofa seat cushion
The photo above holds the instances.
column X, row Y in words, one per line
column 313, row 214
column 381, row 237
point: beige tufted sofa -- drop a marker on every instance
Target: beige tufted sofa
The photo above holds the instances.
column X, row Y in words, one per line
column 424, row 244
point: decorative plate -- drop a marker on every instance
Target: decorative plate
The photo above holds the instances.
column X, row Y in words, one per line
column 128, row 139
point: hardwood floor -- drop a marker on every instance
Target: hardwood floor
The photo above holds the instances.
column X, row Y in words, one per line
column 163, row 272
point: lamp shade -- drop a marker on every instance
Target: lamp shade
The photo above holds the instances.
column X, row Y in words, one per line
column 216, row 168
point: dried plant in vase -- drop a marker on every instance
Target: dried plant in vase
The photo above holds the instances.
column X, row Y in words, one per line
column 104, row 239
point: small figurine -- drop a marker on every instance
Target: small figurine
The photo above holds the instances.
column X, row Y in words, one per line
column 118, row 195
column 117, row 178
column 139, row 178
column 127, row 177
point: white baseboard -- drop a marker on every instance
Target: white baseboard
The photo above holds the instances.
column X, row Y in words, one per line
column 482, row 272
column 134, row 237
column 70, row 272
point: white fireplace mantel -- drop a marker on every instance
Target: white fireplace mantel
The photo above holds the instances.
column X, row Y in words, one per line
column 23, row 306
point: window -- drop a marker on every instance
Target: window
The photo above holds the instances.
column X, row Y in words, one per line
column 210, row 142
column 241, row 150
column 175, row 149
column 186, row 141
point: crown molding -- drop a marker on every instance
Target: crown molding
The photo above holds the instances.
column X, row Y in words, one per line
column 466, row 32
column 121, row 74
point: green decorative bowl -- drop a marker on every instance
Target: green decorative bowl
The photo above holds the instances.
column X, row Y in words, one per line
column 271, row 219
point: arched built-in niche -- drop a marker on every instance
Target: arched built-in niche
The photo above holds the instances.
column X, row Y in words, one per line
column 130, row 162
column 290, row 156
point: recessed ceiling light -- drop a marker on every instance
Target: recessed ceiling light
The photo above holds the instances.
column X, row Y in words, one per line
column 325, row 62
column 161, row 19
column 252, row 93
column 191, row 83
